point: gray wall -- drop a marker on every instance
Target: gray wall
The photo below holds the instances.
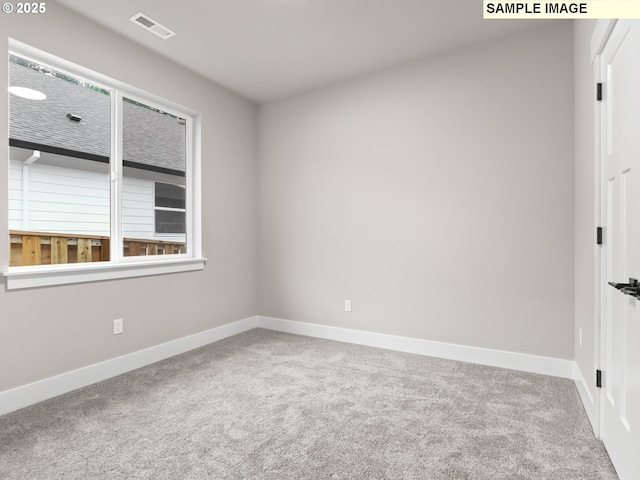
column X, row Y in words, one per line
column 586, row 202
column 438, row 197
column 48, row 331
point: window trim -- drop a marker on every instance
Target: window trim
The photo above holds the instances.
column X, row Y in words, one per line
column 119, row 266
column 40, row 276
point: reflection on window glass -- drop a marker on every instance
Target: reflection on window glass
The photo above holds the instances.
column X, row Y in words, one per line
column 154, row 187
column 60, row 146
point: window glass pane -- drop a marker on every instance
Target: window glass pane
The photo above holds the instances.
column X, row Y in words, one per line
column 169, row 195
column 59, row 187
column 154, row 186
column 170, row 221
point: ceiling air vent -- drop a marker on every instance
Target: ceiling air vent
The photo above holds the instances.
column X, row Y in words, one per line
column 151, row 25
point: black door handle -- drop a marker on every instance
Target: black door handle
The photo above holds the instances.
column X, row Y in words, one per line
column 630, row 288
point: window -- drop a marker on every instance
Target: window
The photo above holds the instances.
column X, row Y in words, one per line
column 170, row 208
column 102, row 176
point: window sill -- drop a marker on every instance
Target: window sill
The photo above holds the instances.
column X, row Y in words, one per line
column 42, row 276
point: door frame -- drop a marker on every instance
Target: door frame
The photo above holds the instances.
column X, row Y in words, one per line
column 599, row 39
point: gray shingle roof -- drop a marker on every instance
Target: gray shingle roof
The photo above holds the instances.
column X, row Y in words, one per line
column 150, row 138
column 153, row 138
column 45, row 121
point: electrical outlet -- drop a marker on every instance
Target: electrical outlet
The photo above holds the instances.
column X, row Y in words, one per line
column 118, row 326
column 580, row 336
column 347, row 305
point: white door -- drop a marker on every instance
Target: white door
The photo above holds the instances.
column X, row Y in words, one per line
column 620, row 140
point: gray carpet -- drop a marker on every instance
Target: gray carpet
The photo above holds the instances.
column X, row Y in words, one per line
column 268, row 405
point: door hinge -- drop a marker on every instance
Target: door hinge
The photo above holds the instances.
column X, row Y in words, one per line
column 599, row 235
column 599, row 378
column 599, row 91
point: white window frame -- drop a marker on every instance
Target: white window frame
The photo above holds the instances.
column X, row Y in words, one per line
column 120, row 266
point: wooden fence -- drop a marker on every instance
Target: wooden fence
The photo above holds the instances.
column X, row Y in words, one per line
column 134, row 247
column 41, row 248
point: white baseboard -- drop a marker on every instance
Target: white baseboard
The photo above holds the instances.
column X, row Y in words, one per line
column 23, row 396
column 496, row 358
column 589, row 402
column 20, row 397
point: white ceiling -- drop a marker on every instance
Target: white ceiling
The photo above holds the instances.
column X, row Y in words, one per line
column 267, row 49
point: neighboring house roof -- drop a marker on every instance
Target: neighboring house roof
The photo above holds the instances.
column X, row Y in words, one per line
column 45, row 121
column 152, row 140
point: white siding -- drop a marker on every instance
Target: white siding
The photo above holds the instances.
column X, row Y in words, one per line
column 137, row 208
column 70, row 200
column 15, row 195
